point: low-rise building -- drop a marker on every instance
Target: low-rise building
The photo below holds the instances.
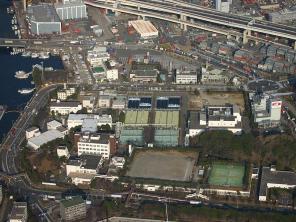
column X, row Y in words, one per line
column 32, row 132
column 144, row 28
column 144, row 72
column 283, row 15
column 117, row 162
column 272, row 178
column 88, row 103
column 52, row 125
column 48, row 136
column 84, row 168
column 225, row 117
column 71, row 9
column 94, row 144
column 186, row 77
column 118, row 104
column 62, row 151
column 104, row 101
column 65, row 107
column 43, row 19
column 63, row 94
column 111, row 70
column 266, row 110
column 73, row 209
column 213, row 76
column 78, row 120
column 19, row 212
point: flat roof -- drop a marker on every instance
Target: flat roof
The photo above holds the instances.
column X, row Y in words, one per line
column 43, row 13
column 276, row 177
column 144, row 27
column 72, row 202
column 65, row 104
column 46, row 137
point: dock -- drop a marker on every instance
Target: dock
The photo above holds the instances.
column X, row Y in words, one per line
column 2, row 111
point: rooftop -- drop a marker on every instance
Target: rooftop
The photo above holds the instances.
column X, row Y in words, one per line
column 65, row 104
column 85, row 161
column 43, row 13
column 72, row 202
column 46, row 137
column 270, row 176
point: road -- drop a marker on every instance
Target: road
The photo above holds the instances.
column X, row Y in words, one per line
column 11, row 144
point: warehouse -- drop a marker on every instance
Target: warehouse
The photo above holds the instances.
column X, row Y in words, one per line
column 43, row 19
column 145, row 28
column 71, row 9
column 48, row 136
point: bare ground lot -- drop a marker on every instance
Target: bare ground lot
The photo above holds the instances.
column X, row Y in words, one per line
column 164, row 165
column 216, row 98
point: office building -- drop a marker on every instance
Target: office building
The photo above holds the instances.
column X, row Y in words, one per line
column 43, row 19
column 84, row 168
column 94, row 144
column 65, row 107
column 19, row 212
column 225, row 117
column 73, row 209
column 71, row 9
column 186, row 77
column 79, row 120
column 266, row 110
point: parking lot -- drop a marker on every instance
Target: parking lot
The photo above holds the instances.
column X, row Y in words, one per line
column 164, row 165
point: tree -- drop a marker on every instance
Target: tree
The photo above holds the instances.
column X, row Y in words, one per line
column 121, row 117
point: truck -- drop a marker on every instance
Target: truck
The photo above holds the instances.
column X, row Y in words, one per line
column 37, row 43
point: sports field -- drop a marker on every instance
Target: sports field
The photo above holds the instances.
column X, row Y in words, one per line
column 223, row 174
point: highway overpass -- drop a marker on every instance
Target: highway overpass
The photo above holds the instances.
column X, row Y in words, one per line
column 189, row 15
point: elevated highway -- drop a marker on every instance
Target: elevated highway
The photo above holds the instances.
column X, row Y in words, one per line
column 189, row 15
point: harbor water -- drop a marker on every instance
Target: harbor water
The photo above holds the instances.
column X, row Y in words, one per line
column 9, row 85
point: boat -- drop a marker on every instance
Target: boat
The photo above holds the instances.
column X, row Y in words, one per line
column 48, row 69
column 34, row 55
column 43, row 55
column 26, row 91
column 21, row 75
column 26, row 54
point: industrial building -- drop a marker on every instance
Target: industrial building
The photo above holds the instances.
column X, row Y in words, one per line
column 84, row 120
column 283, row 15
column 37, row 141
column 144, row 28
column 266, row 110
column 73, row 209
column 94, row 144
column 43, row 19
column 144, row 72
column 225, row 117
column 84, row 168
column 65, row 107
column 71, row 9
column 185, row 77
column 19, row 212
column 272, row 178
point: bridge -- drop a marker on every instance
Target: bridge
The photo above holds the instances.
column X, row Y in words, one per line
column 187, row 14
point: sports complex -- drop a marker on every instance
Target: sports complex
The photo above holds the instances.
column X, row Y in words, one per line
column 226, row 175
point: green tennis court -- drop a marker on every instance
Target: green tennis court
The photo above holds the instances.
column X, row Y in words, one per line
column 223, row 174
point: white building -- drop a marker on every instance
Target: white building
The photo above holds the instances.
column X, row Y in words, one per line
column 71, row 9
column 271, row 178
column 118, row 104
column 222, row 5
column 31, row 132
column 97, row 56
column 104, row 101
column 19, row 212
column 78, row 119
column 111, row 70
column 144, row 28
column 62, row 151
column 94, row 144
column 118, row 162
column 37, row 141
column 53, row 125
column 186, row 77
column 83, row 169
column 214, row 118
column 63, row 94
column 88, row 102
column 266, row 110
column 65, row 107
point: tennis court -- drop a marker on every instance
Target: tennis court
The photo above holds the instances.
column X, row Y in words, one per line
column 223, row 174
